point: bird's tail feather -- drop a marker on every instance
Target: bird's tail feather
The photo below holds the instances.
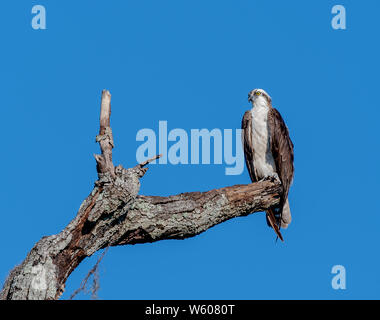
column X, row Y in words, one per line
column 272, row 222
column 278, row 219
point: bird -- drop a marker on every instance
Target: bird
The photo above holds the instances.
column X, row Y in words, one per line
column 269, row 153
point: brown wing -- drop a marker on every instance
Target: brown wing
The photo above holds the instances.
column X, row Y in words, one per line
column 246, row 126
column 282, row 151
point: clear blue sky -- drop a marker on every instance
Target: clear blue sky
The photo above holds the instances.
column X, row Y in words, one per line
column 192, row 63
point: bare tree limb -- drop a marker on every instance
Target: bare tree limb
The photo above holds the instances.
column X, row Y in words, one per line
column 114, row 214
column 105, row 138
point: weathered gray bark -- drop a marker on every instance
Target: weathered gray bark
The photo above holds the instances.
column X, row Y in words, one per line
column 114, row 214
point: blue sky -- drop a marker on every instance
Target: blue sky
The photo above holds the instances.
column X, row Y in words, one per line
column 192, row 64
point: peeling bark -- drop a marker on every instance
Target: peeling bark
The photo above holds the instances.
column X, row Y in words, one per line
column 114, row 214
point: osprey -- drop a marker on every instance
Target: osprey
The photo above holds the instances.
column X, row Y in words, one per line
column 268, row 152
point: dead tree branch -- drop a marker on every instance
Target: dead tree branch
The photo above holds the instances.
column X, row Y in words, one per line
column 114, row 214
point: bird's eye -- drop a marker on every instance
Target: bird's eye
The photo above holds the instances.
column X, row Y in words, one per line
column 257, row 93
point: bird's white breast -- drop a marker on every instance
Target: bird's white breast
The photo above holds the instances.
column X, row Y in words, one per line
column 263, row 161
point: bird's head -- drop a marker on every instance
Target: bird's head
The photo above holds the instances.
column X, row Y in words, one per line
column 259, row 95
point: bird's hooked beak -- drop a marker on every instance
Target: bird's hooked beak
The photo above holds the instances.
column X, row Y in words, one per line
column 250, row 97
